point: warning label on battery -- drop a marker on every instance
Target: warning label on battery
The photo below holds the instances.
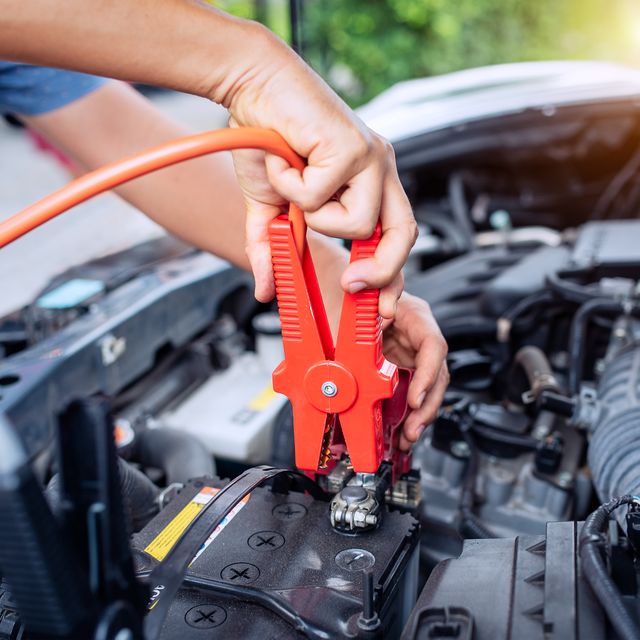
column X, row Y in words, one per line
column 160, row 546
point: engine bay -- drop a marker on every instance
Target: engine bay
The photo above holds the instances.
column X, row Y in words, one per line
column 519, row 517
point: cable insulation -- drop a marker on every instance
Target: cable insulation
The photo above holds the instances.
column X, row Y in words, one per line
column 165, row 155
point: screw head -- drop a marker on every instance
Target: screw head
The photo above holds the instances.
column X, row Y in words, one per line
column 266, row 541
column 329, row 389
column 288, row 511
column 240, row 573
column 205, row 616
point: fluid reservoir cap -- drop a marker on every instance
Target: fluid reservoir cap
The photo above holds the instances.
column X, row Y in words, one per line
column 267, row 324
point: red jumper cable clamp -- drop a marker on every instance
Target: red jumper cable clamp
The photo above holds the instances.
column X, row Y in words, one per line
column 348, row 401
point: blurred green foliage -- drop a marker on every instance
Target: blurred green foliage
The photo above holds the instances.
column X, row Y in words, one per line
column 362, row 47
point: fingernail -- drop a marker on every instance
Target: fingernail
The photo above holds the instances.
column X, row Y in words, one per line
column 354, row 287
column 419, row 431
column 421, row 398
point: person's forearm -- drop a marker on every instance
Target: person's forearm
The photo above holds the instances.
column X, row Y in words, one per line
column 350, row 182
column 199, row 200
column 182, row 44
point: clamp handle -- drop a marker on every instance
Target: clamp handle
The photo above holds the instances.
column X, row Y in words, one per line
column 323, row 382
column 359, row 349
column 306, row 336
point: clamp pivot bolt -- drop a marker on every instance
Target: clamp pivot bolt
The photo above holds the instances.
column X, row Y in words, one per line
column 329, row 389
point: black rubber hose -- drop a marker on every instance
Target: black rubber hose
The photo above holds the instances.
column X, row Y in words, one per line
column 454, row 240
column 180, row 455
column 578, row 334
column 139, row 495
column 526, row 443
column 506, row 322
column 570, row 291
column 614, row 449
column 459, row 207
column 592, row 539
column 467, row 327
column 470, row 525
column 536, row 367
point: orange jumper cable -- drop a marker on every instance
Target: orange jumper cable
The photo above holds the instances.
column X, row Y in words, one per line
column 336, row 390
column 117, row 173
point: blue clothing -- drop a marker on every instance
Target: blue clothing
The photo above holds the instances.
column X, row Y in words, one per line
column 29, row 90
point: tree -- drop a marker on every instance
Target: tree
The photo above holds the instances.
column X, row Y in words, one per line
column 364, row 46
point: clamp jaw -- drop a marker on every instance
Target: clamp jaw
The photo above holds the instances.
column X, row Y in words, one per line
column 348, row 401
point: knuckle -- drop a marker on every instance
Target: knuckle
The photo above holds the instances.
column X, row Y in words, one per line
column 310, row 202
column 420, row 305
column 362, row 228
column 441, row 345
column 388, row 149
column 361, row 145
column 431, row 416
column 386, row 271
column 430, row 379
column 437, row 339
column 386, row 155
column 412, row 230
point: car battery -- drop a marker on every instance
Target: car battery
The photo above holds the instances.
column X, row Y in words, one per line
column 275, row 568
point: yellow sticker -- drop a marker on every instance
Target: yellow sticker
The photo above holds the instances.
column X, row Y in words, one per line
column 263, row 399
column 160, row 546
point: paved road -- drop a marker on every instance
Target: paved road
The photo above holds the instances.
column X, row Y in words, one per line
column 95, row 228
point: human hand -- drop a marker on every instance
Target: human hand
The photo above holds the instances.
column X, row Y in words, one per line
column 350, row 180
column 414, row 340
column 411, row 335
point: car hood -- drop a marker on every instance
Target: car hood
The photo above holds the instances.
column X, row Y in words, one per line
column 416, row 107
